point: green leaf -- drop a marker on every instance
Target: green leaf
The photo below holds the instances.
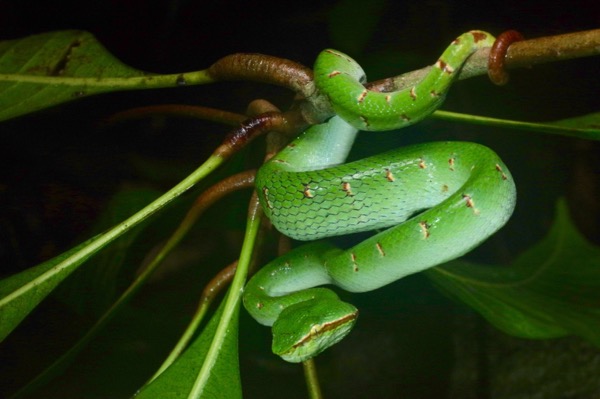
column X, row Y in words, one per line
column 52, row 68
column 551, row 290
column 589, row 121
column 38, row 71
column 210, row 367
column 22, row 292
column 224, row 379
column 584, row 127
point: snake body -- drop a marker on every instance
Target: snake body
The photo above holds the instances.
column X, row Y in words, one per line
column 437, row 201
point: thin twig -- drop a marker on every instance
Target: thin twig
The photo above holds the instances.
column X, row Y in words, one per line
column 554, row 48
column 520, row 54
column 312, row 380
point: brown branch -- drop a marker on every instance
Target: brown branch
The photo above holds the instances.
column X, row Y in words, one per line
column 289, row 122
column 314, row 107
column 520, row 54
column 554, row 48
column 265, row 69
column 218, row 282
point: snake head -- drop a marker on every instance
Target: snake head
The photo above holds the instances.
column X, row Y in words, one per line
column 307, row 328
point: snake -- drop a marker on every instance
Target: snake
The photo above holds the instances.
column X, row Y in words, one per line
column 426, row 203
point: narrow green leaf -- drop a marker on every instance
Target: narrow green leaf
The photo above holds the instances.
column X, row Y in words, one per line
column 22, row 292
column 51, row 68
column 210, row 368
column 551, row 290
column 589, row 121
column 224, row 381
column 584, row 127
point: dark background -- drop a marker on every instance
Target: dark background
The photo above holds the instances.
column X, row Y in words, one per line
column 59, row 169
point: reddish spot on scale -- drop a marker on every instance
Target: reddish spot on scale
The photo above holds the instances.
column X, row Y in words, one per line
column 334, row 73
column 478, row 36
column 499, row 169
column 362, row 96
column 451, row 163
column 347, row 189
column 424, row 228
column 470, row 203
column 380, row 249
column 307, row 192
column 413, row 93
column 355, row 266
column 389, row 176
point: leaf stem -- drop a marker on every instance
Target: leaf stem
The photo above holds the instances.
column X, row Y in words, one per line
column 209, row 197
column 233, row 298
column 149, row 81
column 312, row 379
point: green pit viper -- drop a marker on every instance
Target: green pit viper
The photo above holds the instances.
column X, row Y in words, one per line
column 437, row 200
